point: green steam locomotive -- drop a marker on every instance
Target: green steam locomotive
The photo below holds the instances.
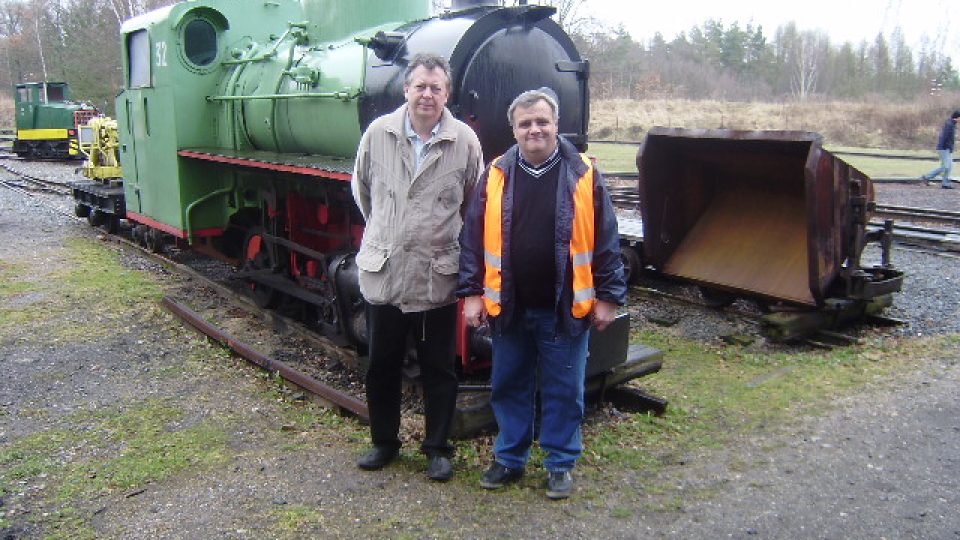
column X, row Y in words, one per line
column 239, row 121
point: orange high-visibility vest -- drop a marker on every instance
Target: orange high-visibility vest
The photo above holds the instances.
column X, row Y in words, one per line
column 581, row 242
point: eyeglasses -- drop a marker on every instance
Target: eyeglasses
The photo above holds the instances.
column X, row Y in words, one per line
column 435, row 89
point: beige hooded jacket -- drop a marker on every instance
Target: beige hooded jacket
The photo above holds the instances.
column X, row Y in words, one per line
column 410, row 251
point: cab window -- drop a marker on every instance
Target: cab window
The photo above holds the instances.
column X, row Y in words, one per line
column 138, row 58
column 200, row 42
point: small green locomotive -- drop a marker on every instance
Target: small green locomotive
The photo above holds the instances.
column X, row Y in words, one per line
column 48, row 122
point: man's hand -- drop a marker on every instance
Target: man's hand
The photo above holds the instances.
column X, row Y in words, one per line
column 603, row 314
column 474, row 312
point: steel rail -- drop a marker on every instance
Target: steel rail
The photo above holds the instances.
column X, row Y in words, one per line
column 345, row 401
column 926, row 214
column 39, row 184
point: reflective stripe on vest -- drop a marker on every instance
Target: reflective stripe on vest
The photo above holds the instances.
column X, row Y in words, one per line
column 493, row 240
column 581, row 242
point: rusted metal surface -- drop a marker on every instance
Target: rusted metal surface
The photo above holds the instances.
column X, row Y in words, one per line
column 345, row 401
column 768, row 214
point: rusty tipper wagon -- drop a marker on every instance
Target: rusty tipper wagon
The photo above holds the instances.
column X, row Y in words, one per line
column 769, row 215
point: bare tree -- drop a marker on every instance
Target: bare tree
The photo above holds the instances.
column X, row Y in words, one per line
column 567, row 12
column 802, row 57
column 43, row 63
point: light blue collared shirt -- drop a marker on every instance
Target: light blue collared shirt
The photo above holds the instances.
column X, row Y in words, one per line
column 420, row 146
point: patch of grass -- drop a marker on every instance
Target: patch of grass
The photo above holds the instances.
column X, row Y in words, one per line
column 96, row 274
column 615, row 158
column 92, row 278
column 68, row 523
column 719, row 393
column 293, row 520
column 879, row 166
column 148, row 457
column 621, row 513
column 10, row 283
column 147, row 443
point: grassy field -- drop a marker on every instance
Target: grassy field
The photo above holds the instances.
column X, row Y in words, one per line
column 872, row 126
column 614, row 158
column 870, row 123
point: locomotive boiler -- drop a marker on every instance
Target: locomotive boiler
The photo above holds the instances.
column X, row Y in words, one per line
column 239, row 123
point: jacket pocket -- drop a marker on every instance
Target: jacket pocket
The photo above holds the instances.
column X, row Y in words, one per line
column 373, row 275
column 371, row 258
column 443, row 275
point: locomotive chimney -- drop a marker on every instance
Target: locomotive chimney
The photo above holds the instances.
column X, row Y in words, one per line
column 333, row 20
column 458, row 5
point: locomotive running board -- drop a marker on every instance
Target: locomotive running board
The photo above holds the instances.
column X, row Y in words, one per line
column 333, row 168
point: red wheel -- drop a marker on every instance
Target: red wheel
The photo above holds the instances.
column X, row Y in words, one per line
column 258, row 258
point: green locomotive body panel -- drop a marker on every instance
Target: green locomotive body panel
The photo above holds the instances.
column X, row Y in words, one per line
column 239, row 78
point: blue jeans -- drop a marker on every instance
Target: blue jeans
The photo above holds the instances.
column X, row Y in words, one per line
column 530, row 350
column 946, row 163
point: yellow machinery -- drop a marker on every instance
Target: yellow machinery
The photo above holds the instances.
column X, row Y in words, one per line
column 100, row 199
column 100, row 145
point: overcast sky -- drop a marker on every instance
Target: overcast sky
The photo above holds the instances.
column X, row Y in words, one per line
column 842, row 20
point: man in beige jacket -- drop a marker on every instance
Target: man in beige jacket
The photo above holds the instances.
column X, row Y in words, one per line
column 415, row 168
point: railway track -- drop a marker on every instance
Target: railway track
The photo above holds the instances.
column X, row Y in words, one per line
column 914, row 214
column 346, row 402
column 27, row 182
column 326, row 360
column 305, row 374
column 911, row 224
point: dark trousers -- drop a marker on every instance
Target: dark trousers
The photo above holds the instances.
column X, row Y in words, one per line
column 433, row 336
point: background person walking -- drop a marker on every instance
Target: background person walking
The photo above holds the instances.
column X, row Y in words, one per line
column 945, row 150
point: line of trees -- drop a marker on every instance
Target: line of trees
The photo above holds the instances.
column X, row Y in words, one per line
column 742, row 63
column 78, row 41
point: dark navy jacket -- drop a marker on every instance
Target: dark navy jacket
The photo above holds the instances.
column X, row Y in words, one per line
column 608, row 280
column 947, row 135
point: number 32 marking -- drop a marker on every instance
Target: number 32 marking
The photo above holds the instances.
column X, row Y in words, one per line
column 161, row 48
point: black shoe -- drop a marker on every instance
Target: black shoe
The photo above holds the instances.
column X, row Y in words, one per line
column 439, row 468
column 498, row 476
column 559, row 484
column 377, row 458
column 947, row 186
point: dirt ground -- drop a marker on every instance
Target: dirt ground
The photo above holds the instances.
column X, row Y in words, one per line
column 255, row 461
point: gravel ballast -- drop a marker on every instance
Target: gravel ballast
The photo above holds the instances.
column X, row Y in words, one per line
column 882, row 463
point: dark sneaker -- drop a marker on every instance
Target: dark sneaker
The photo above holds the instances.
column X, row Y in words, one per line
column 377, row 458
column 559, row 484
column 947, row 186
column 498, row 476
column 439, row 468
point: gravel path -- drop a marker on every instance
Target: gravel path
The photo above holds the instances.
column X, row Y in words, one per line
column 882, row 464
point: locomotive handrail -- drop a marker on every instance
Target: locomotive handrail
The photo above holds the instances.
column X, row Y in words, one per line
column 345, row 96
column 208, row 196
column 273, row 50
